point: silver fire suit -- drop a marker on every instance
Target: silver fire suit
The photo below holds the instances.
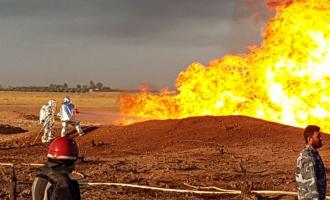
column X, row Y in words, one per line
column 66, row 115
column 47, row 119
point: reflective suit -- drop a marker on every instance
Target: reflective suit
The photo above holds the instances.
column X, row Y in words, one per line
column 47, row 119
column 66, row 115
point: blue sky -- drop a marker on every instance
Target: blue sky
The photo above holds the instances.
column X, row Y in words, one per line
column 121, row 43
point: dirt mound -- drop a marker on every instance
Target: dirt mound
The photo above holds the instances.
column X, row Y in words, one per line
column 8, row 129
column 30, row 117
column 174, row 135
column 227, row 152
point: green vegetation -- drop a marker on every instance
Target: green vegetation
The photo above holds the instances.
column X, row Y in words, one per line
column 92, row 87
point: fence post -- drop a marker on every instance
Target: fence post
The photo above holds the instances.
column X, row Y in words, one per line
column 12, row 185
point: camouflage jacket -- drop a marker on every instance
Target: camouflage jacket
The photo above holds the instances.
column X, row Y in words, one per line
column 310, row 175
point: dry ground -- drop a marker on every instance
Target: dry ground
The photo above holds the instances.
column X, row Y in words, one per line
column 232, row 152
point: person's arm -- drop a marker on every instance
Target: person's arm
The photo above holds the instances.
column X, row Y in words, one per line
column 309, row 179
column 42, row 115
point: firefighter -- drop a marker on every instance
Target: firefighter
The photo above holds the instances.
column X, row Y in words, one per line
column 67, row 117
column 53, row 182
column 47, row 119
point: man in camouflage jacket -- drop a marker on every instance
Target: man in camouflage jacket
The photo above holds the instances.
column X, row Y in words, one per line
column 310, row 174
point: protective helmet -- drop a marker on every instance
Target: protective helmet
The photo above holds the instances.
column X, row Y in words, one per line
column 63, row 148
column 52, row 102
column 67, row 99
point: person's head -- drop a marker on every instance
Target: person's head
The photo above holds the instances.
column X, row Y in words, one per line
column 64, row 151
column 312, row 136
column 67, row 99
column 52, row 103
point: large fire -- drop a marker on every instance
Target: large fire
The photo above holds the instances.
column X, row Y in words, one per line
column 286, row 79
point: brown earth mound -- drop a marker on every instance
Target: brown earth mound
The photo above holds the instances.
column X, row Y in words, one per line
column 31, row 117
column 233, row 152
column 8, row 129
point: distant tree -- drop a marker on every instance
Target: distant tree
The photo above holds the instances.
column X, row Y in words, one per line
column 106, row 89
column 59, row 88
column 92, row 85
column 84, row 88
column 99, row 85
column 51, row 88
column 65, row 87
column 71, row 90
column 78, row 88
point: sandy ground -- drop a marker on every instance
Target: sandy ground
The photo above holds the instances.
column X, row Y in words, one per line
column 232, row 152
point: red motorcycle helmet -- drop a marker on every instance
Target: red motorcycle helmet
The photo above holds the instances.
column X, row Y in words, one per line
column 63, row 148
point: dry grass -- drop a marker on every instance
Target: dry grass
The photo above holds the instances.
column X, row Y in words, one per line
column 105, row 100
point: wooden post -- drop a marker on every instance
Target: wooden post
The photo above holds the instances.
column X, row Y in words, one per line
column 12, row 185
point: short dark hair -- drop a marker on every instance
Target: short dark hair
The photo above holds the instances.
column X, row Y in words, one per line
column 309, row 131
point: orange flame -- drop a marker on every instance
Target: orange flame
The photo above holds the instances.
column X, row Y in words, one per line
column 286, row 79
